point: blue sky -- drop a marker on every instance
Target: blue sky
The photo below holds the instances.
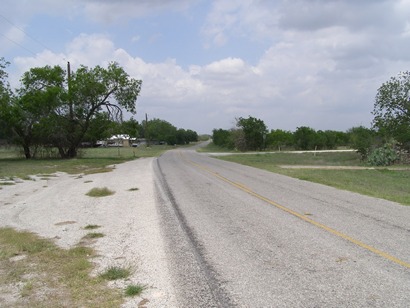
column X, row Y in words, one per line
column 203, row 63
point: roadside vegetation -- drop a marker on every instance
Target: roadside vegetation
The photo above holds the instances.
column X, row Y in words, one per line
column 381, row 182
column 43, row 275
column 100, row 192
column 386, row 143
column 134, row 290
column 116, row 272
column 91, row 160
column 54, row 113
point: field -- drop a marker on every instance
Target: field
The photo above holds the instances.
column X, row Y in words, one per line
column 13, row 164
column 333, row 169
column 387, row 183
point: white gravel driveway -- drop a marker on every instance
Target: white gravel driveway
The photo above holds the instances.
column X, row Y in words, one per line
column 58, row 208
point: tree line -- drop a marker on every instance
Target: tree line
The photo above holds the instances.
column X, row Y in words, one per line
column 54, row 107
column 385, row 143
column 155, row 130
column 251, row 134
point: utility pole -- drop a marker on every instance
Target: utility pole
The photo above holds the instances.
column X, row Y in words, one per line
column 146, row 130
column 70, row 104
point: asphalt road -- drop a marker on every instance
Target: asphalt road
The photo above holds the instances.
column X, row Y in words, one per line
column 242, row 237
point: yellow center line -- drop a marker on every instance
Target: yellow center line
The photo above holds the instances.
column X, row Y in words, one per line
column 303, row 217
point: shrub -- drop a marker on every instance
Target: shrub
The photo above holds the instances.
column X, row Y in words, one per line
column 134, row 290
column 383, row 156
column 115, row 272
column 100, row 192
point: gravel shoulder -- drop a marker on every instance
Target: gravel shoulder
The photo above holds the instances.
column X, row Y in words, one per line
column 58, row 208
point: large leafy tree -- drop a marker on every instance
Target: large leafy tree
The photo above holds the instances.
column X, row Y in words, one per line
column 361, row 139
column 186, row 136
column 222, row 138
column 254, row 132
column 131, row 127
column 28, row 110
column 392, row 109
column 304, row 138
column 161, row 131
column 92, row 91
column 51, row 109
column 100, row 128
column 278, row 138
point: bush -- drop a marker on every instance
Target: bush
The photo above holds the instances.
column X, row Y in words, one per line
column 383, row 156
column 134, row 290
column 115, row 272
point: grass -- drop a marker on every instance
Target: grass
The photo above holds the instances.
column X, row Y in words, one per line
column 92, row 235
column 379, row 182
column 100, row 192
column 134, row 290
column 91, row 227
column 211, row 147
column 93, row 160
column 115, row 272
column 277, row 159
column 42, row 275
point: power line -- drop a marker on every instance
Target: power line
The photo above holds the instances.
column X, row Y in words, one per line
column 26, row 49
column 28, row 35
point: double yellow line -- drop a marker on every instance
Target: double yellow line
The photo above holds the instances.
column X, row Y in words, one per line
column 303, row 217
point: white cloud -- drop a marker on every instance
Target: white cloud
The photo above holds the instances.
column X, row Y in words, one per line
column 290, row 80
column 321, row 62
column 246, row 18
column 90, row 50
column 226, row 66
column 107, row 11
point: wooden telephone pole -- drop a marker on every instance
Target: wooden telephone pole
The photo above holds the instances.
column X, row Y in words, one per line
column 146, row 130
column 70, row 103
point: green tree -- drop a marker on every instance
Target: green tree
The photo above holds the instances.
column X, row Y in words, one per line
column 100, row 128
column 342, row 138
column 51, row 110
column 222, row 138
column 161, row 131
column 131, row 127
column 181, row 136
column 304, row 138
column 186, row 136
column 29, row 111
column 91, row 91
column 191, row 136
column 254, row 133
column 278, row 139
column 392, row 109
column 362, row 140
column 320, row 140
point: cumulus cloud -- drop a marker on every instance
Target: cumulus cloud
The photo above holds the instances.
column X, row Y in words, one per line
column 320, row 65
column 247, row 18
